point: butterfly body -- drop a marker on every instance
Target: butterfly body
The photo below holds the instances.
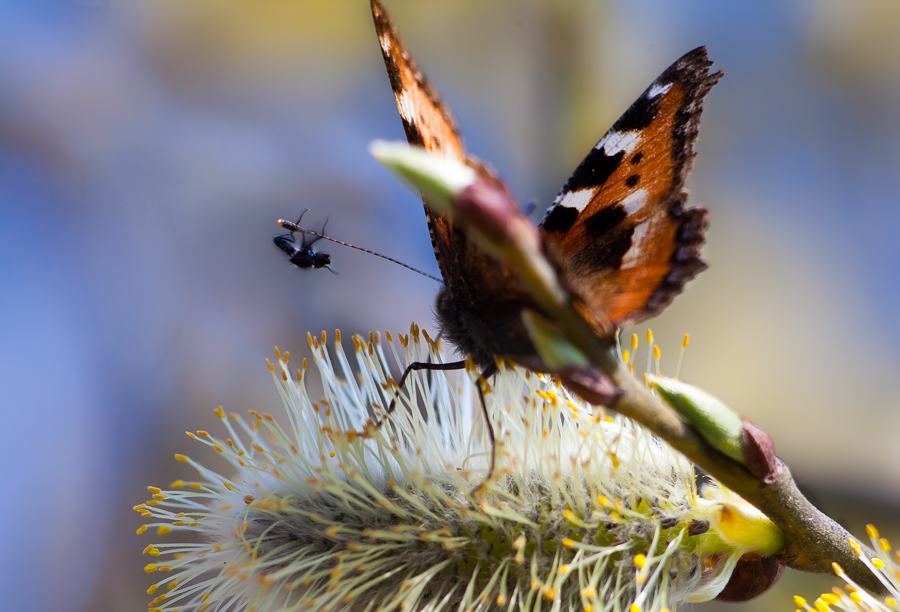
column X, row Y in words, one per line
column 483, row 325
column 618, row 234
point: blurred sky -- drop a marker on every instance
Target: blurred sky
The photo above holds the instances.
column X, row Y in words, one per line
column 147, row 148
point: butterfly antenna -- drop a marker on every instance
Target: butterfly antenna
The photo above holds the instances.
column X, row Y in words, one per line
column 295, row 227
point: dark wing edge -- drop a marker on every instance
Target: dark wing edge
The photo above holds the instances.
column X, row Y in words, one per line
column 693, row 69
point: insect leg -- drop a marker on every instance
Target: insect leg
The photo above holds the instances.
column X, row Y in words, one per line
column 482, row 380
column 415, row 367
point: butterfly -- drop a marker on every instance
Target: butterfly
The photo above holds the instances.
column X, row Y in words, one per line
column 619, row 234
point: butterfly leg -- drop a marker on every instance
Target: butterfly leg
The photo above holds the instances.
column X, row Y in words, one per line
column 417, row 366
column 482, row 379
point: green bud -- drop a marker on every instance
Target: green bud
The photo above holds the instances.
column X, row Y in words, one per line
column 717, row 423
column 437, row 177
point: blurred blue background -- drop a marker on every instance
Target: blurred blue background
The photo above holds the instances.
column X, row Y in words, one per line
column 147, row 148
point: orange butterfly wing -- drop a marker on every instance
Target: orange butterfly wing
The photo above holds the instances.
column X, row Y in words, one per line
column 619, row 231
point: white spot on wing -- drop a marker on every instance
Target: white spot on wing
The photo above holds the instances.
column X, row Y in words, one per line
column 406, row 107
column 576, row 199
column 634, row 201
column 614, row 142
column 658, row 89
column 385, row 43
column 634, row 252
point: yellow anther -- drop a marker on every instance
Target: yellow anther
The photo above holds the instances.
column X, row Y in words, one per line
column 626, row 356
column 799, row 601
column 337, row 336
column 602, row 501
column 568, row 542
column 649, row 336
column 871, row 531
column 634, row 608
column 141, row 529
column 640, row 560
column 154, row 489
column 163, row 530
column 220, row 412
column 588, row 608
column 686, row 341
column 227, row 485
column 152, row 589
column 549, row 593
column 159, row 496
column 634, row 341
column 830, row 598
column 838, row 570
column 196, row 485
column 655, row 351
column 150, row 568
column 191, row 435
column 177, row 484
column 182, row 458
column 878, row 563
column 821, row 606
column 884, row 545
column 501, row 600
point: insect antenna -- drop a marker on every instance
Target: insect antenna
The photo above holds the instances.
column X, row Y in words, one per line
column 291, row 226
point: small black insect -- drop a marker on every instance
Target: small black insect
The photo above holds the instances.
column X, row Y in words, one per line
column 303, row 255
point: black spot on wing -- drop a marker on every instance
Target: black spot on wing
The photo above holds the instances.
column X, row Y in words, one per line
column 633, row 180
column 607, row 240
column 604, row 221
column 605, row 253
column 559, row 219
column 413, row 135
column 594, row 170
column 637, row 158
column 640, row 115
